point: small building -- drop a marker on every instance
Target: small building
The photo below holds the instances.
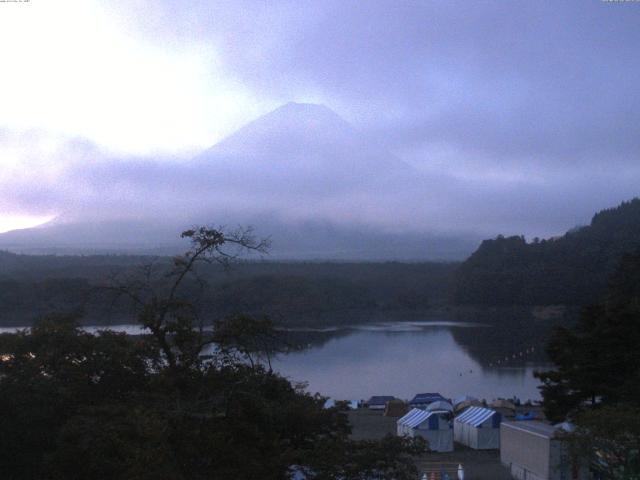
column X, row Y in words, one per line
column 421, row 400
column 379, row 402
column 478, row 428
column 534, row 450
column 435, row 427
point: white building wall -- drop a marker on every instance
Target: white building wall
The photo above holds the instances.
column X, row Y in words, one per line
column 526, row 454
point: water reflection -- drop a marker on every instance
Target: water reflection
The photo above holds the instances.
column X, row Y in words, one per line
column 399, row 361
column 401, row 358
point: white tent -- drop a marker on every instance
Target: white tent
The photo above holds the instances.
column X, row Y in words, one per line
column 478, row 428
column 435, row 427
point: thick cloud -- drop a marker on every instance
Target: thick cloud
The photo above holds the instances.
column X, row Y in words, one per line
column 518, row 117
column 558, row 81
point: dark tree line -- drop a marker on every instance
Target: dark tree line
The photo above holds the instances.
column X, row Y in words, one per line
column 596, row 380
column 291, row 293
column 569, row 270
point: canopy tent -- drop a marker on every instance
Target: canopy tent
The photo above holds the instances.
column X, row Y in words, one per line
column 440, row 406
column 421, row 400
column 478, row 428
column 435, row 427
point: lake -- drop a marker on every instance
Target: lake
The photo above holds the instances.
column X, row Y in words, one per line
column 405, row 358
column 402, row 358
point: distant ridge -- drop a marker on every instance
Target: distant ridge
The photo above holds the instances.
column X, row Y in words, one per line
column 572, row 269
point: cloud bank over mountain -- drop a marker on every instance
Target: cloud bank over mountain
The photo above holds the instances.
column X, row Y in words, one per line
column 486, row 118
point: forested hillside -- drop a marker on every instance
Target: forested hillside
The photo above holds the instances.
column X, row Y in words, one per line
column 289, row 292
column 572, row 269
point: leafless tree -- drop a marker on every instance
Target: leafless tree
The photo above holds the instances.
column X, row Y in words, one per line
column 157, row 291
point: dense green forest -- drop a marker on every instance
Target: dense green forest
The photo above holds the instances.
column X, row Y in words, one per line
column 569, row 270
column 288, row 292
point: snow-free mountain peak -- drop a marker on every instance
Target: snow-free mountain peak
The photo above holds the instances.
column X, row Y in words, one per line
column 320, row 187
column 302, row 145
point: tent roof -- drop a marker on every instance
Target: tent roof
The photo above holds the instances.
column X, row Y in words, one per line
column 502, row 403
column 426, row 398
column 441, row 405
column 380, row 399
column 475, row 416
column 465, row 404
column 415, row 417
column 464, row 398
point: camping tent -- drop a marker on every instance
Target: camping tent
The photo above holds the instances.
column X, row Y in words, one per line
column 421, row 400
column 395, row 408
column 435, row 427
column 478, row 428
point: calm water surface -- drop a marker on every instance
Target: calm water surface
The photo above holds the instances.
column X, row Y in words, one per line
column 403, row 359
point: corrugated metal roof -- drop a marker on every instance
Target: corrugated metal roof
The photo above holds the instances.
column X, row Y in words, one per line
column 475, row 416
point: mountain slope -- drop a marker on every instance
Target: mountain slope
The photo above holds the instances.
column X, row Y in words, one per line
column 300, row 174
column 301, row 149
column 572, row 269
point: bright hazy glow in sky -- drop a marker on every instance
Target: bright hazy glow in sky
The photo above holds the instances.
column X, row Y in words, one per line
column 73, row 67
column 521, row 115
column 15, row 222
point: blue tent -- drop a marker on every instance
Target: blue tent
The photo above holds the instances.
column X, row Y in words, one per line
column 435, row 427
column 478, row 428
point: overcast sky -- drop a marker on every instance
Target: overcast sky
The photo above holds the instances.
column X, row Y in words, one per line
column 534, row 106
